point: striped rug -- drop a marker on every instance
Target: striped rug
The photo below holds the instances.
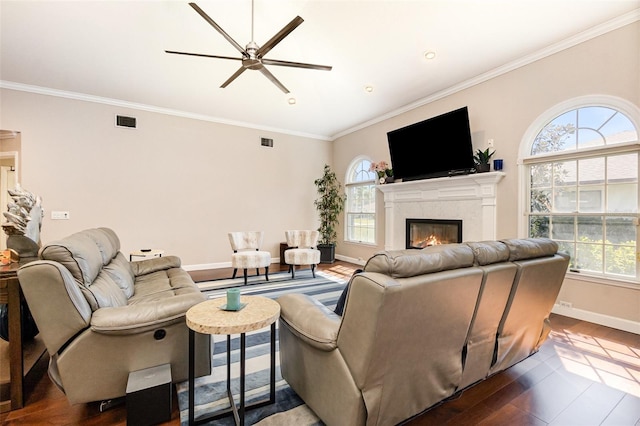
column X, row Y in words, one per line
column 210, row 391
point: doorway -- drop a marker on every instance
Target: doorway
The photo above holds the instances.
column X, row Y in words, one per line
column 9, row 154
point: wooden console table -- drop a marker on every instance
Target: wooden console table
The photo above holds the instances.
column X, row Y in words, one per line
column 11, row 294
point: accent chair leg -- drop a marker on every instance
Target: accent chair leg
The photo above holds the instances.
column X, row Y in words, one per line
column 313, row 270
column 266, row 273
column 245, row 277
column 293, row 272
column 235, row 270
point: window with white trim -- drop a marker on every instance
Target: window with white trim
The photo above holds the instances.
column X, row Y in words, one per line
column 360, row 212
column 582, row 180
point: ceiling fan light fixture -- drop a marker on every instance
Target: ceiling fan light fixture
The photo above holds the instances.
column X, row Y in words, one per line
column 429, row 54
column 252, row 56
column 368, row 89
column 292, row 101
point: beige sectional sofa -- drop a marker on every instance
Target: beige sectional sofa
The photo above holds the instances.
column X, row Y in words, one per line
column 419, row 326
column 102, row 317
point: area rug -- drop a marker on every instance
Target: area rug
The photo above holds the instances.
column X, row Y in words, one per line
column 210, row 391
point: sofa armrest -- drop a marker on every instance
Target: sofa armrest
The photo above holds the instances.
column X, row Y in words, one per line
column 310, row 320
column 147, row 266
column 141, row 317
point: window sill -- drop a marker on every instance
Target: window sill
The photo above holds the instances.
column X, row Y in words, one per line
column 361, row 243
column 581, row 276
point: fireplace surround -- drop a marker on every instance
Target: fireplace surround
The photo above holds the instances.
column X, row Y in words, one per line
column 470, row 198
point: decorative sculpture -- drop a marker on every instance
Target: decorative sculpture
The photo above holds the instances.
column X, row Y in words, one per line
column 24, row 221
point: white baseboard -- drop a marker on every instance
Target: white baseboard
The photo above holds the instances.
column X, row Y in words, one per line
column 350, row 260
column 596, row 318
column 219, row 265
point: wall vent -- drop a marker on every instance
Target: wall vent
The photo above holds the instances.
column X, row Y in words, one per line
column 266, row 142
column 124, row 121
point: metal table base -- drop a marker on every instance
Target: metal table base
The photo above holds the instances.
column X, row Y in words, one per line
column 238, row 412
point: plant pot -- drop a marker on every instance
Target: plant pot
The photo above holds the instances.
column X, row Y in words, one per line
column 483, row 168
column 327, row 253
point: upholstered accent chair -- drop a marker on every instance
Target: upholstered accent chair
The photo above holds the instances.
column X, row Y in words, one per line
column 247, row 254
column 303, row 250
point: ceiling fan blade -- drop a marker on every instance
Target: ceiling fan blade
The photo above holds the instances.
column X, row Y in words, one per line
column 217, row 27
column 279, row 36
column 202, row 55
column 233, row 77
column 274, row 80
column 296, row 64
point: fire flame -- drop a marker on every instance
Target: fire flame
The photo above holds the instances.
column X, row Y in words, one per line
column 431, row 240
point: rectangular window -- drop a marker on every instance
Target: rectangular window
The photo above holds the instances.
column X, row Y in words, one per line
column 360, row 213
column 589, row 206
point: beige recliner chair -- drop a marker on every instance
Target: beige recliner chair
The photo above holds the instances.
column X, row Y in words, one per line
column 102, row 317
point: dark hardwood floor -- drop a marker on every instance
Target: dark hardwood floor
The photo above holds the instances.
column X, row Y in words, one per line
column 584, row 374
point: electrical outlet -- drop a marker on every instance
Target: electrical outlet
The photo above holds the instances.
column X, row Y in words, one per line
column 564, row 304
column 490, row 143
column 59, row 215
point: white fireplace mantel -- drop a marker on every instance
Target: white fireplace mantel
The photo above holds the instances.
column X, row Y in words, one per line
column 471, row 198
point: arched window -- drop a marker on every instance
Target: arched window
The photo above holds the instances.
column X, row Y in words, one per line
column 360, row 213
column 581, row 172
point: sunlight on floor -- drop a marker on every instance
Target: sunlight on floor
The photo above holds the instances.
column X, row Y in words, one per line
column 603, row 361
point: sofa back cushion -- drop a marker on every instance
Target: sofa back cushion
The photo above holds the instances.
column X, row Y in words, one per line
column 489, row 252
column 78, row 253
column 85, row 254
column 530, row 248
column 410, row 263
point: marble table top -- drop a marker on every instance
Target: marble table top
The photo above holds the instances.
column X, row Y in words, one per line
column 207, row 317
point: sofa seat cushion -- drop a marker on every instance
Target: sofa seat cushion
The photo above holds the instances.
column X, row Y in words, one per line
column 162, row 285
column 411, row 263
column 302, row 256
column 250, row 259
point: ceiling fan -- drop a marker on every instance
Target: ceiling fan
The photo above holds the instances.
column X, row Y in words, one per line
column 253, row 55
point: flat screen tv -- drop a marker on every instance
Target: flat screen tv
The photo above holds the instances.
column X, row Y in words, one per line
column 436, row 147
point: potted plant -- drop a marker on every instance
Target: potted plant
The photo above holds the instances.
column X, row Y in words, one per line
column 330, row 203
column 481, row 159
column 384, row 172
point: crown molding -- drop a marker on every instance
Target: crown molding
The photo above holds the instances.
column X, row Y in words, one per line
column 10, row 85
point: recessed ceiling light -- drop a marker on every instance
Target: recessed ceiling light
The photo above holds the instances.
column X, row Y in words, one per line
column 430, row 55
column 368, row 89
column 292, row 101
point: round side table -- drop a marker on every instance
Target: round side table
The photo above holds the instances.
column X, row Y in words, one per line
column 208, row 318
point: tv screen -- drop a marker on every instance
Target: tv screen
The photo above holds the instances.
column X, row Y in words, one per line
column 438, row 146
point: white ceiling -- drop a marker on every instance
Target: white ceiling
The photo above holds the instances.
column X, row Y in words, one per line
column 114, row 52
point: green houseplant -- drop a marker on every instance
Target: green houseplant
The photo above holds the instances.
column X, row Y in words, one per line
column 330, row 203
column 481, row 159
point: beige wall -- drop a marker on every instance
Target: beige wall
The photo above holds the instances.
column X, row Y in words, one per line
column 502, row 109
column 173, row 183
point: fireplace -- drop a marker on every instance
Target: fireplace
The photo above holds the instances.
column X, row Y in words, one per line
column 422, row 233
